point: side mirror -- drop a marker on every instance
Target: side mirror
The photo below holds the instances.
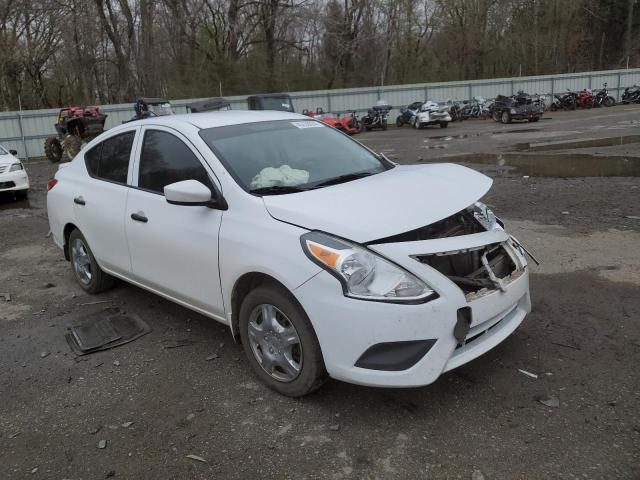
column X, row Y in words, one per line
column 193, row 193
column 13, row 152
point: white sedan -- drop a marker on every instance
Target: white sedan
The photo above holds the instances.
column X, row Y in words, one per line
column 13, row 176
column 323, row 257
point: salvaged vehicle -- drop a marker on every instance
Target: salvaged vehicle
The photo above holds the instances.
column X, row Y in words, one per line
column 407, row 114
column 211, row 105
column 13, row 176
column 275, row 101
column 74, row 126
column 376, row 117
column 517, row 107
column 349, row 124
column 290, row 245
column 147, row 107
column 431, row 113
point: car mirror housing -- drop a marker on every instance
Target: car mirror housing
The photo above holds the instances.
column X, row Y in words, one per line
column 13, row 152
column 193, row 193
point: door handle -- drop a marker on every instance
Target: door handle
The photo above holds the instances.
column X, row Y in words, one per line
column 139, row 217
column 79, row 200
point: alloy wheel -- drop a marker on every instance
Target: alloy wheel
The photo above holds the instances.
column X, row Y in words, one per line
column 81, row 261
column 275, row 343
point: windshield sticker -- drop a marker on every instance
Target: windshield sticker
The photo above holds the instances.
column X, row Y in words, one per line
column 308, row 124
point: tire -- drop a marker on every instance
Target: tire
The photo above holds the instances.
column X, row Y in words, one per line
column 81, row 255
column 399, row 121
column 535, row 119
column 416, row 125
column 496, row 116
column 289, row 317
column 553, row 107
column 444, row 124
column 53, row 149
column 72, row 145
column 505, row 117
column 384, row 125
column 609, row 102
column 21, row 194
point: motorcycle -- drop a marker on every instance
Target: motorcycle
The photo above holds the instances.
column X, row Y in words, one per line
column 601, row 97
column 565, row 101
column 376, row 117
column 407, row 114
column 585, row 98
column 631, row 95
column 479, row 107
column 455, row 111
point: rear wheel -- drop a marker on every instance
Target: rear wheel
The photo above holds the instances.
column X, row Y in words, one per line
column 496, row 116
column 399, row 121
column 85, row 268
column 72, row 145
column 505, row 117
column 280, row 342
column 53, row 149
column 609, row 102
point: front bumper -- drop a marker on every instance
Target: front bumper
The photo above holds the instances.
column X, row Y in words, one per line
column 10, row 181
column 347, row 327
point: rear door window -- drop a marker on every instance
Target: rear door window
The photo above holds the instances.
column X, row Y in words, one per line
column 165, row 159
column 109, row 160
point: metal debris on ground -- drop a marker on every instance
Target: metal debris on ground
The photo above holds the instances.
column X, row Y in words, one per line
column 197, row 458
column 211, row 357
column 6, row 296
column 551, row 401
column 104, row 330
column 102, row 444
column 528, row 374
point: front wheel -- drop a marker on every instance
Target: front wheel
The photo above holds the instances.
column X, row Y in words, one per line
column 280, row 342
column 609, row 102
column 85, row 268
column 506, row 117
column 53, row 149
column 399, row 121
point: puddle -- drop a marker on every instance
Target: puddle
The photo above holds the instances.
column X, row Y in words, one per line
column 553, row 165
column 434, row 147
column 516, row 130
column 571, row 144
column 451, row 137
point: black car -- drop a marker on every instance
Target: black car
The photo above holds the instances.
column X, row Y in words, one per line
column 516, row 107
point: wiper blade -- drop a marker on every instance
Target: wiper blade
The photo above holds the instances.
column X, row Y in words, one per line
column 342, row 179
column 277, row 190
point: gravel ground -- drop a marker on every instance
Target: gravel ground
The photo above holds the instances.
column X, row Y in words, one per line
column 153, row 402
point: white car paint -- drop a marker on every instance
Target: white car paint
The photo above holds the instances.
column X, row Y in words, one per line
column 12, row 180
column 195, row 255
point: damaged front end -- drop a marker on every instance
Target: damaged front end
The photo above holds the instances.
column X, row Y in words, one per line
column 476, row 267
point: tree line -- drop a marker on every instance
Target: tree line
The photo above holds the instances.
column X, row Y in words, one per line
column 59, row 52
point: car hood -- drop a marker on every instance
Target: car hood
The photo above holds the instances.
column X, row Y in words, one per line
column 396, row 201
column 8, row 159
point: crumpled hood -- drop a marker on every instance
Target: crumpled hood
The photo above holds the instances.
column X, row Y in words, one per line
column 396, row 201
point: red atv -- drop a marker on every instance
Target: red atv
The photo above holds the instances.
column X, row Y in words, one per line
column 348, row 124
column 75, row 125
column 585, row 99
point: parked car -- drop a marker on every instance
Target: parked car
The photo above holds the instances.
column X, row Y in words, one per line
column 323, row 257
column 516, row 107
column 431, row 113
column 13, row 176
column 275, row 101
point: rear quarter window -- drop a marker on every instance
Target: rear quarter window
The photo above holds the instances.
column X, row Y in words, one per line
column 109, row 160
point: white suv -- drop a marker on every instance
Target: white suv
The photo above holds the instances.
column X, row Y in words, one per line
column 322, row 256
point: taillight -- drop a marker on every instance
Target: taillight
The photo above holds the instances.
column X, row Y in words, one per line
column 51, row 184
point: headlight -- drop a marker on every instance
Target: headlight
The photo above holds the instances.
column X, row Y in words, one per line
column 362, row 273
column 15, row 167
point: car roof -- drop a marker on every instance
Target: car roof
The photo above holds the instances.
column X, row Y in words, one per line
column 217, row 119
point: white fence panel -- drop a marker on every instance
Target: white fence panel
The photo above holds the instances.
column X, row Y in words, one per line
column 26, row 131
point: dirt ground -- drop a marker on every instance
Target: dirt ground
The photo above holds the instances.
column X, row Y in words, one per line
column 158, row 399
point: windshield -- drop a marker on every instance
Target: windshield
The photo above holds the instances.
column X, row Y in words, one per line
column 3, row 151
column 161, row 109
column 277, row 103
column 285, row 156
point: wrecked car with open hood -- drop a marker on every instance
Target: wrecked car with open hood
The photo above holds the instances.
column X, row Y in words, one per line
column 324, row 258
